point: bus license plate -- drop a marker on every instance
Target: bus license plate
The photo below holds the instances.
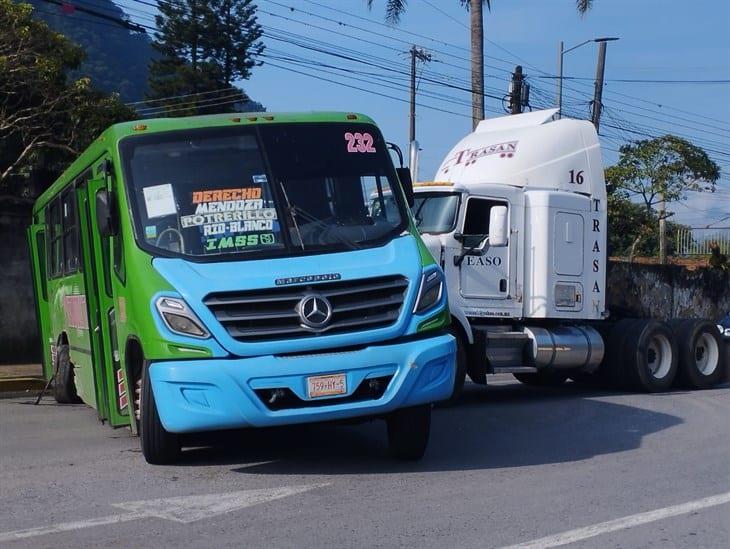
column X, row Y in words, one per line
column 320, row 386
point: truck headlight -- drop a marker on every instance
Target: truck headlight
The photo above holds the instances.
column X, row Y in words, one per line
column 179, row 318
column 429, row 293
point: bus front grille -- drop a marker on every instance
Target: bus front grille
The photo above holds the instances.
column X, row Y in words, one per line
column 272, row 313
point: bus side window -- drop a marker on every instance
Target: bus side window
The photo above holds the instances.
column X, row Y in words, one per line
column 55, row 235
column 70, row 232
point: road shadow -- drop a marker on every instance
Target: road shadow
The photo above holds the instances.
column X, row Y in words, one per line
column 498, row 427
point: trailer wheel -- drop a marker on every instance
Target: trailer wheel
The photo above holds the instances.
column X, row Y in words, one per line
column 701, row 363
column 461, row 366
column 408, row 432
column 64, row 386
column 159, row 447
column 542, row 379
column 650, row 353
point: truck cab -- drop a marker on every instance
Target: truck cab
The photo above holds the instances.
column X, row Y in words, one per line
column 516, row 217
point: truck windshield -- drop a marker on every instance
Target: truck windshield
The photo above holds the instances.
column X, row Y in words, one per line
column 435, row 212
column 278, row 189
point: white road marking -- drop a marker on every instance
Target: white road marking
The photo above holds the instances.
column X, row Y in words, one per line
column 182, row 509
column 579, row 534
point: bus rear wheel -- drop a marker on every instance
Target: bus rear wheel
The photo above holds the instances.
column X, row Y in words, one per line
column 64, row 386
column 408, row 432
column 159, row 446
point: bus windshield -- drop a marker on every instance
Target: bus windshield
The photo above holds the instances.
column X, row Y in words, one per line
column 278, row 189
column 435, row 212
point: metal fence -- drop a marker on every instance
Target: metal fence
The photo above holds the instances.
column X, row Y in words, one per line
column 700, row 241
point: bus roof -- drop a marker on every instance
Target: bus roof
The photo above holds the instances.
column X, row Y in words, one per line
column 119, row 131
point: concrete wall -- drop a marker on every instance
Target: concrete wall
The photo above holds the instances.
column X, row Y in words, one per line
column 667, row 291
column 19, row 341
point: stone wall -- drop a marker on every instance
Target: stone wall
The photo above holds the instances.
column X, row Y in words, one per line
column 667, row 291
column 19, row 341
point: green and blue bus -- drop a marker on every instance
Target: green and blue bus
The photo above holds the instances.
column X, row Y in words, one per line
column 229, row 271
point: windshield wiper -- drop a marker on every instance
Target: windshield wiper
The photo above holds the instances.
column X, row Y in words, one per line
column 292, row 214
column 296, row 210
column 419, row 220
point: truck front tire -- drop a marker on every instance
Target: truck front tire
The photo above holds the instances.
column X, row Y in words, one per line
column 159, row 447
column 461, row 358
column 408, row 432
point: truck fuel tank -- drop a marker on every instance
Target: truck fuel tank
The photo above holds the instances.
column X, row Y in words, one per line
column 578, row 346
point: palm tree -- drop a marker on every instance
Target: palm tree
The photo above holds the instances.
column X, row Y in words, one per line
column 395, row 8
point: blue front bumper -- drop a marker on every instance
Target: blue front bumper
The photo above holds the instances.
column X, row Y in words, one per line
column 210, row 394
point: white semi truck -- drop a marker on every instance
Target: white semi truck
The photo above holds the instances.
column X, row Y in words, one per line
column 517, row 218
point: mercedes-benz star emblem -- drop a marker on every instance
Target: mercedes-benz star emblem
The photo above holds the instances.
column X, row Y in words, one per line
column 314, row 311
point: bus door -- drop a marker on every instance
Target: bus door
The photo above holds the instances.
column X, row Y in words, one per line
column 36, row 236
column 101, row 308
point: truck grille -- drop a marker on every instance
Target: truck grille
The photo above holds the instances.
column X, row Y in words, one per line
column 270, row 314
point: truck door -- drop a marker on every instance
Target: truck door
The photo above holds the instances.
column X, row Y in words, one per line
column 101, row 307
column 485, row 272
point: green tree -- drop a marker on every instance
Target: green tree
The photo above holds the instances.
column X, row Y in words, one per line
column 660, row 171
column 394, row 9
column 204, row 47
column 46, row 119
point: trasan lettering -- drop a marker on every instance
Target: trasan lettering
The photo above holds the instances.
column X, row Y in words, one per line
column 470, row 156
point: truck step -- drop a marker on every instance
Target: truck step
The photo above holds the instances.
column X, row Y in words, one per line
column 515, row 370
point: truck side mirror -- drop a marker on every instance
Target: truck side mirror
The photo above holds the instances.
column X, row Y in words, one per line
column 106, row 213
column 498, row 227
column 404, row 174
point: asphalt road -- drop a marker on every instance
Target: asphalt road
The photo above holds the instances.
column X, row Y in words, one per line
column 509, row 465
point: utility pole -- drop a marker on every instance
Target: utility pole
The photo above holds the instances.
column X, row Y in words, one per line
column 417, row 54
column 518, row 91
column 598, row 93
column 560, row 79
column 662, row 209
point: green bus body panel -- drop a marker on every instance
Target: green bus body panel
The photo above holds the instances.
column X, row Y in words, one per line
column 99, row 352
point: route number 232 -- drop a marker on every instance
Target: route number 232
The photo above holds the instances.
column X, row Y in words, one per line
column 576, row 178
column 359, row 142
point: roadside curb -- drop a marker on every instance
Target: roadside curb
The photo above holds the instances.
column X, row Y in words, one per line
column 20, row 386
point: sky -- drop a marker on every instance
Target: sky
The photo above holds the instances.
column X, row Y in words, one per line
column 337, row 55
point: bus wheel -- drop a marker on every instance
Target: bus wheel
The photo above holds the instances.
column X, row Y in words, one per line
column 158, row 446
column 650, row 353
column 408, row 432
column 700, row 353
column 64, row 387
column 542, row 379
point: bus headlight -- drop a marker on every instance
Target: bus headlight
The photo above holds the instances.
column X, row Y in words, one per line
column 429, row 293
column 179, row 318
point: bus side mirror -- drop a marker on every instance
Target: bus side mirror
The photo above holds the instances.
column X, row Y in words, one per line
column 498, row 227
column 404, row 174
column 106, row 213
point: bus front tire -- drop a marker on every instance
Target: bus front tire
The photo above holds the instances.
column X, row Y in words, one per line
column 408, row 432
column 64, row 386
column 159, row 447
